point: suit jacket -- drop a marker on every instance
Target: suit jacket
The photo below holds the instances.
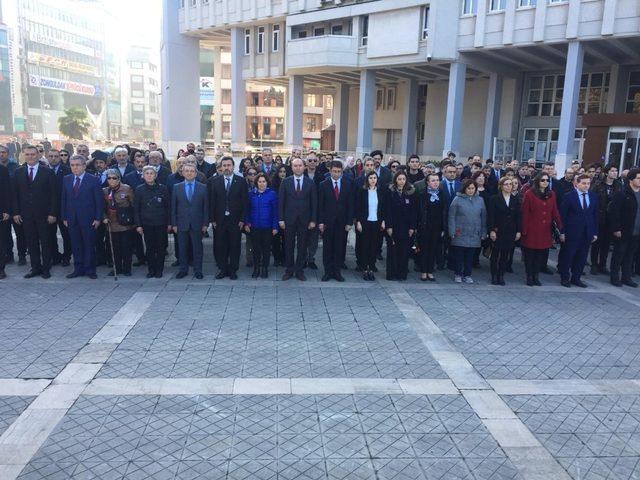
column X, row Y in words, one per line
column 334, row 212
column 362, row 203
column 562, row 188
column 189, row 215
column 163, row 175
column 85, row 206
column 133, row 179
column 298, row 207
column 444, row 187
column 621, row 212
column 5, row 191
column 492, row 181
column 38, row 199
column 127, row 169
column 578, row 222
column 385, row 177
column 221, row 201
column 504, row 219
column 63, row 171
column 206, row 168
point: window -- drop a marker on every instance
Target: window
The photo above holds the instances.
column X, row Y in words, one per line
column 545, row 96
column 137, row 107
column 136, row 65
column 311, row 100
column 391, row 99
column 138, row 121
column 247, row 41
column 425, row 22
column 266, row 127
column 302, row 34
column 275, row 38
column 540, row 143
column 336, row 29
column 137, row 93
column 380, row 99
column 594, row 90
column 260, row 46
column 633, row 93
column 364, row 39
column 194, row 3
column 318, row 32
column 310, row 123
column 255, row 99
column 469, row 7
column 528, row 3
column 558, row 1
column 137, row 79
column 225, row 96
column 497, row 5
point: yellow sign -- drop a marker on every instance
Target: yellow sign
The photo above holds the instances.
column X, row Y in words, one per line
column 62, row 64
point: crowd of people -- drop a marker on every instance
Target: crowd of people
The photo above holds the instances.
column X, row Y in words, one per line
column 109, row 207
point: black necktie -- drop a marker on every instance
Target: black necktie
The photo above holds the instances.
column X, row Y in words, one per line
column 584, row 201
column 451, row 191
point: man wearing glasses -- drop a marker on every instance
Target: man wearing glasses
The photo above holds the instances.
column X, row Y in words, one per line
column 312, row 243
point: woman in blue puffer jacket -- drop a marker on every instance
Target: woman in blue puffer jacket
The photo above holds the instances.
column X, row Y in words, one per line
column 262, row 224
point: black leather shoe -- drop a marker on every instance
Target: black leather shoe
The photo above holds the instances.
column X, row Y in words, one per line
column 312, row 265
column 199, row 276
column 300, row 276
column 32, row 274
column 180, row 275
column 74, row 275
column 92, row 276
column 46, row 275
column 630, row 283
column 530, row 281
column 579, row 283
column 233, row 276
column 338, row 277
column 536, row 281
column 565, row 283
column 220, row 275
column 287, row 276
column 325, row 278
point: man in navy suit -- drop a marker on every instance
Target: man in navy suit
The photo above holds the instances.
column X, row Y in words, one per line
column 579, row 212
column 298, row 211
column 335, row 218
column 190, row 219
column 449, row 187
column 134, row 180
column 82, row 212
column 494, row 177
column 60, row 171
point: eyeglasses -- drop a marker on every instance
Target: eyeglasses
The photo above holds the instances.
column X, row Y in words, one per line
column 544, row 180
column 64, row 155
column 312, row 160
column 251, row 174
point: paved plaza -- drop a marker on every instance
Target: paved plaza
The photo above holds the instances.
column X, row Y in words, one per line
column 260, row 379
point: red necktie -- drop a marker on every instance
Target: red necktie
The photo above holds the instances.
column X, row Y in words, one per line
column 336, row 190
column 76, row 186
column 30, row 174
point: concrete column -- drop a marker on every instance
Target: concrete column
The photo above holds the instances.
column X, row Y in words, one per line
column 571, row 91
column 217, row 95
column 364, row 141
column 410, row 119
column 455, row 105
column 238, row 92
column 341, row 116
column 295, row 104
column 618, row 85
column 181, row 82
column 492, row 117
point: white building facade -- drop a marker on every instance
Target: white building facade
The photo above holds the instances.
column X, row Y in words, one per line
column 549, row 79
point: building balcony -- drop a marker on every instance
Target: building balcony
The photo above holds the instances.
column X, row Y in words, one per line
column 322, row 53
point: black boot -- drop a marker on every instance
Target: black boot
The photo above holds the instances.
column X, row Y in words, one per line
column 264, row 272
column 501, row 279
column 494, row 279
column 530, row 281
column 256, row 272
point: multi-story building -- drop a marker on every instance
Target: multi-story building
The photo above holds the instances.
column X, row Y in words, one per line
column 265, row 106
column 59, row 56
column 549, row 79
column 6, row 110
column 140, row 91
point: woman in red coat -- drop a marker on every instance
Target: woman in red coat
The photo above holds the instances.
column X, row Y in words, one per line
column 539, row 211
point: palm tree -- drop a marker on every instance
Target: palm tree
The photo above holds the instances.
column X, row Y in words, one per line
column 74, row 124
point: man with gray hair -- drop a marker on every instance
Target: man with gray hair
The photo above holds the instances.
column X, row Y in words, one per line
column 162, row 173
column 82, row 210
column 121, row 156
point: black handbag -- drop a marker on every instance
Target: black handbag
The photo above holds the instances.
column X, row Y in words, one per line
column 555, row 233
column 124, row 215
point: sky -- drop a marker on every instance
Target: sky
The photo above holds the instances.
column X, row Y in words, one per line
column 138, row 22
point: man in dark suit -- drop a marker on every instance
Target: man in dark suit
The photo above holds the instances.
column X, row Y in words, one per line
column 494, row 177
column 190, row 219
column 579, row 213
column 60, row 171
column 384, row 174
column 82, row 211
column 35, row 206
column 298, row 210
column 227, row 205
column 335, row 218
column 202, row 165
column 312, row 171
column 565, row 184
column 121, row 157
column 624, row 224
column 5, row 211
column 134, row 180
column 449, row 187
column 163, row 173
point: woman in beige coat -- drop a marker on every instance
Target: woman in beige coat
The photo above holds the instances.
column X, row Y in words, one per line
column 118, row 204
